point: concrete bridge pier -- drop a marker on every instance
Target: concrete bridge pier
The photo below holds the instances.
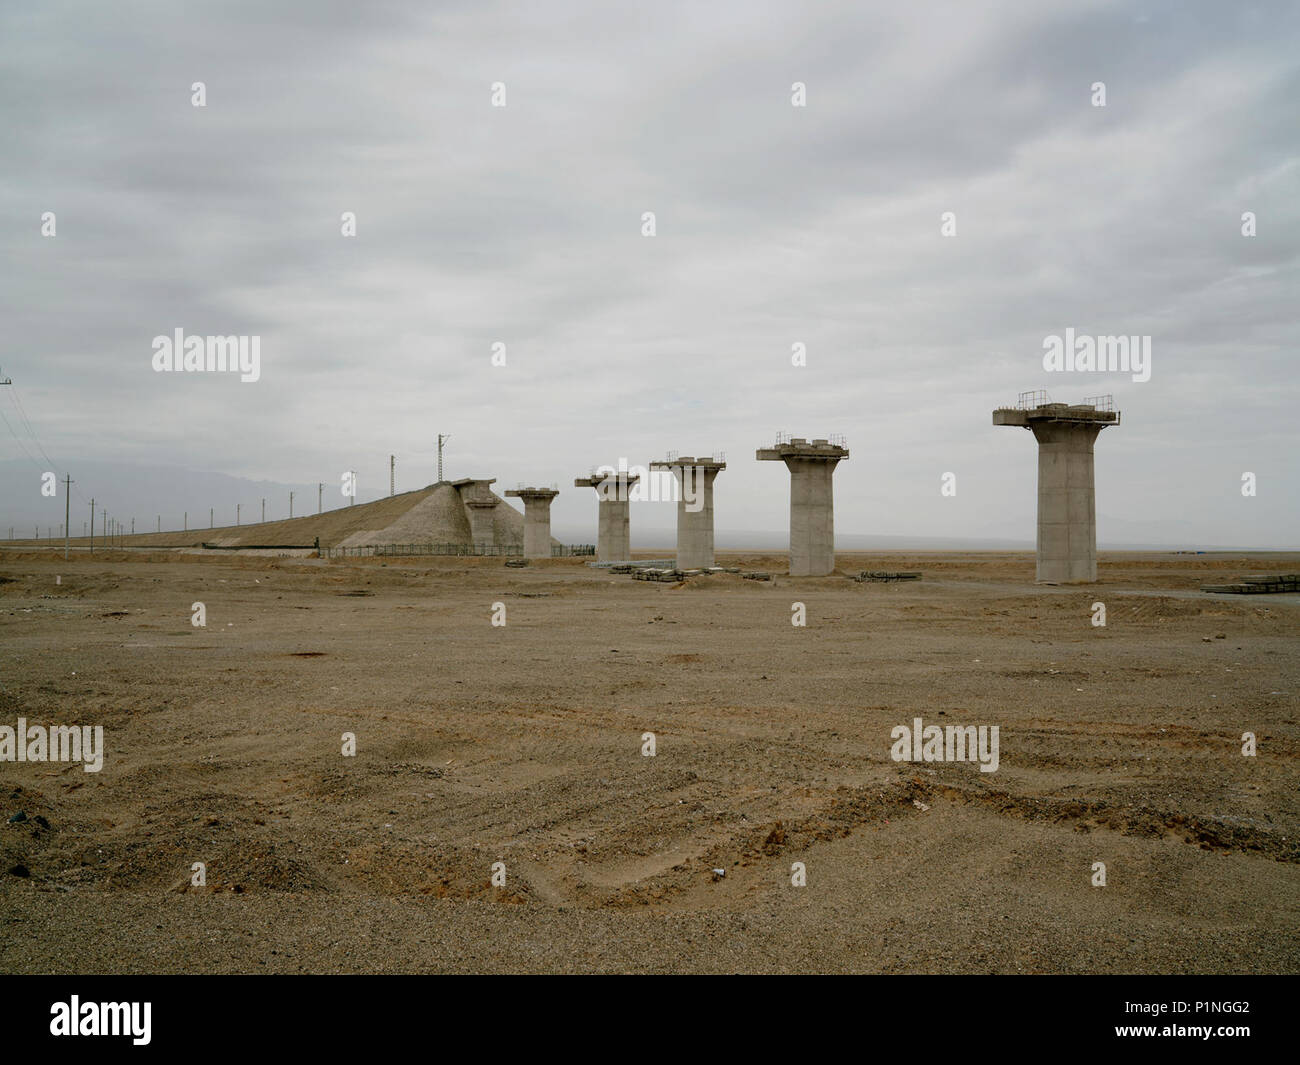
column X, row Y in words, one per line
column 613, row 532
column 1067, row 498
column 695, row 477
column 812, row 501
column 537, row 519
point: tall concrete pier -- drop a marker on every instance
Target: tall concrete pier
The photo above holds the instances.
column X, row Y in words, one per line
column 480, row 504
column 1067, row 503
column 537, row 519
column 613, row 534
column 695, row 477
column 812, row 501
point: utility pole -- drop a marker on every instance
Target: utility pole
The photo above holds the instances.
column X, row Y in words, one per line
column 320, row 491
column 92, row 525
column 133, row 526
column 291, row 504
column 9, row 381
column 67, row 512
column 160, row 523
column 392, row 474
column 211, row 524
column 441, row 441
column 263, row 510
column 237, row 506
column 186, row 527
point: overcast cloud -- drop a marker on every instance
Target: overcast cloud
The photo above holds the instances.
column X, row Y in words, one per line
column 776, row 225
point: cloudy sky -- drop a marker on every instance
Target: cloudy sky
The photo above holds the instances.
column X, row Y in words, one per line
column 775, row 225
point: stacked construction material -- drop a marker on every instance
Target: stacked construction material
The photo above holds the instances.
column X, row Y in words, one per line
column 663, row 573
column 1259, row 585
column 885, row 575
column 641, row 573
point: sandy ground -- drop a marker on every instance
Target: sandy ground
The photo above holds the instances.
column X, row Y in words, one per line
column 522, row 744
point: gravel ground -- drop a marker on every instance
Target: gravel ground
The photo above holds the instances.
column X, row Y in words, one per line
column 522, row 744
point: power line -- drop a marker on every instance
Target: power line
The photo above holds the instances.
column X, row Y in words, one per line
column 27, row 422
column 19, row 440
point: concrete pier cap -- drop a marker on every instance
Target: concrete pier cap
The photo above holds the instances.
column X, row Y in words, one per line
column 695, row 477
column 1067, row 501
column 537, row 519
column 613, row 530
column 812, row 499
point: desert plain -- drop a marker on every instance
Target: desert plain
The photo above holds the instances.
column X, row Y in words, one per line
column 523, row 744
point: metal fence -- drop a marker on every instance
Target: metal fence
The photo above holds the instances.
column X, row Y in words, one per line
column 471, row 550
